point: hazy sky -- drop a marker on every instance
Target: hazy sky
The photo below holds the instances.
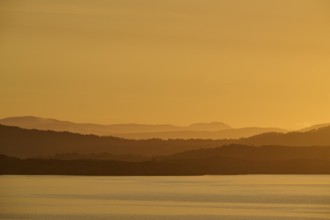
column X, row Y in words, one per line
column 256, row 62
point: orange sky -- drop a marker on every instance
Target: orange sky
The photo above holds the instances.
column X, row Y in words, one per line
column 262, row 63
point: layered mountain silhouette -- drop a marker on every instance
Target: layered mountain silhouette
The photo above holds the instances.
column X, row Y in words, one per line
column 221, row 134
column 15, row 141
column 24, row 143
column 253, row 153
column 212, row 130
column 31, row 151
column 234, row 159
column 315, row 137
column 313, row 127
column 104, row 130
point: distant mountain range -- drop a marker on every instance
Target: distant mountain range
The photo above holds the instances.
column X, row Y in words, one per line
column 234, row 159
column 39, row 152
column 233, row 133
column 105, row 130
column 19, row 142
column 212, row 130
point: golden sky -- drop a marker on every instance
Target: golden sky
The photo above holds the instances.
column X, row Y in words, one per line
column 246, row 63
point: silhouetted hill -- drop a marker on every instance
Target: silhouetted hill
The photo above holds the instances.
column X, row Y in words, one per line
column 209, row 166
column 316, row 137
column 31, row 122
column 315, row 127
column 255, row 153
column 235, row 133
column 95, row 156
column 20, row 142
column 212, row 130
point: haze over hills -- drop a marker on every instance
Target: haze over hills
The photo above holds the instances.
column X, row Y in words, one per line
column 190, row 66
column 98, row 129
column 221, row 134
column 212, row 130
column 315, row 137
column 24, row 143
column 317, row 126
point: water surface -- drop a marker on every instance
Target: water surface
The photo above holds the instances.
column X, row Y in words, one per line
column 250, row 197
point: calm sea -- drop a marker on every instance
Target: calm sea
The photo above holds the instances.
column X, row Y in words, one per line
column 250, row 197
